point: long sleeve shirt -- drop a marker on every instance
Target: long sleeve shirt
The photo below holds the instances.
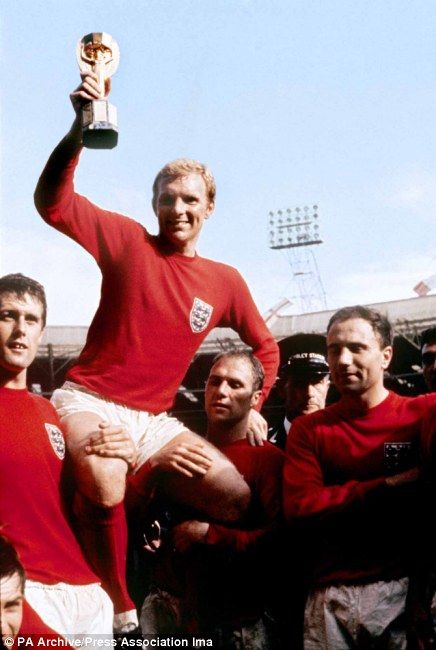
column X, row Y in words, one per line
column 156, row 306
column 335, row 486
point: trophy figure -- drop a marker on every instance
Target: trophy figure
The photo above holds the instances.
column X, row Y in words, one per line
column 98, row 52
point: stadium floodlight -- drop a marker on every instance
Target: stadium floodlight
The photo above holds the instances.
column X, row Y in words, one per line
column 292, row 228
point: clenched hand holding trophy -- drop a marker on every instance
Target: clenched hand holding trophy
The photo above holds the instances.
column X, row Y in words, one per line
column 99, row 53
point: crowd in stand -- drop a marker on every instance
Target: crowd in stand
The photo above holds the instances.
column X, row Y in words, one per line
column 127, row 523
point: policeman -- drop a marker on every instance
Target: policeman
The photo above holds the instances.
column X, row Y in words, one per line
column 303, row 384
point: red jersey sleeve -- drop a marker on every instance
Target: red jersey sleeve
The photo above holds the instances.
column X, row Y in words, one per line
column 102, row 233
column 246, row 320
column 304, row 491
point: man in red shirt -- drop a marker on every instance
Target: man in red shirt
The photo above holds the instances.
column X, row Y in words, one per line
column 60, row 586
column 228, row 570
column 350, row 483
column 159, row 300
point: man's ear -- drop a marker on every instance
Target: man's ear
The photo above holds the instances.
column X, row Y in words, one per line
column 41, row 335
column 281, row 387
column 387, row 353
column 210, row 209
column 255, row 398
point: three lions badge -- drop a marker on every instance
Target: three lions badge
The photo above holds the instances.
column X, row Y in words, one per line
column 56, row 439
column 200, row 315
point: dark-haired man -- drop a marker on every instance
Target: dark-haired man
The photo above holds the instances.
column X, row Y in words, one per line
column 16, row 615
column 11, row 590
column 60, row 587
column 303, row 384
column 350, row 481
column 428, row 357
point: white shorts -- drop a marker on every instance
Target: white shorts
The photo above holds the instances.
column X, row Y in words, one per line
column 72, row 609
column 350, row 616
column 149, row 432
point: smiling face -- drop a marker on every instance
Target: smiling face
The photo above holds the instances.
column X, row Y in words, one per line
column 182, row 205
column 11, row 604
column 356, row 357
column 21, row 329
column 229, row 392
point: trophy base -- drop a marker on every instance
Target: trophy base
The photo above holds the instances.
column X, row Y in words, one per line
column 99, row 125
column 100, row 135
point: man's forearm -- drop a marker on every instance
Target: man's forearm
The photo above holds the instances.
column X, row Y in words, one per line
column 58, row 167
column 268, row 354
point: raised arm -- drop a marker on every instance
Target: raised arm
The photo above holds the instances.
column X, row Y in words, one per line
column 63, row 159
column 103, row 234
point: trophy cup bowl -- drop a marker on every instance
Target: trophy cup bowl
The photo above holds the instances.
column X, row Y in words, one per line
column 98, row 52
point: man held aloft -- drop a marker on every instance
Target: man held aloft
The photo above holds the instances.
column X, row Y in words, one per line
column 159, row 300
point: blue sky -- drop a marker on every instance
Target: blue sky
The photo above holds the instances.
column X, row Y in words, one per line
column 289, row 102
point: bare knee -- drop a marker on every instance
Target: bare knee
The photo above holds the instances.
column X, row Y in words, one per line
column 101, row 480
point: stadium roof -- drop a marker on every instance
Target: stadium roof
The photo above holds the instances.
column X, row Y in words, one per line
column 409, row 317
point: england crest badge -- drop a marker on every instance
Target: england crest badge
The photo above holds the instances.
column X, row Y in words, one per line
column 56, row 439
column 200, row 315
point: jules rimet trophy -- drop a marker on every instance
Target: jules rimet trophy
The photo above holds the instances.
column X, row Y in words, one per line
column 98, row 52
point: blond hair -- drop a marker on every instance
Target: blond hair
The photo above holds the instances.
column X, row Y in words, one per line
column 183, row 167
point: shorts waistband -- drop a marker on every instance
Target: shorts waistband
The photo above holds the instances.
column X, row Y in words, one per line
column 72, row 385
column 59, row 585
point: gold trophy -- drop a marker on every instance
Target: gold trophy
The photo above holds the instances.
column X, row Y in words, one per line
column 98, row 52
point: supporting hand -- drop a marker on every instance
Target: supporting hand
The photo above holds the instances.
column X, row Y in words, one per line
column 112, row 442
column 257, row 429
column 185, row 458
